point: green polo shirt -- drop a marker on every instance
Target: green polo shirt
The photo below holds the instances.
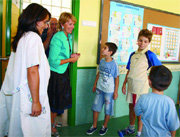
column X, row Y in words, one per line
column 59, row 50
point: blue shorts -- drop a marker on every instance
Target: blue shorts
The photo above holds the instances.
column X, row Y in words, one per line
column 102, row 98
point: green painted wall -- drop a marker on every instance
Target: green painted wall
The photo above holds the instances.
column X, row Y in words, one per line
column 85, row 96
column 172, row 91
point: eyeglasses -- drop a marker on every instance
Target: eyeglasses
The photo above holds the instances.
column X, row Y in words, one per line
column 53, row 23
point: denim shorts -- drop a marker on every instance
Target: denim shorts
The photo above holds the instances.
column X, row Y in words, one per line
column 102, row 98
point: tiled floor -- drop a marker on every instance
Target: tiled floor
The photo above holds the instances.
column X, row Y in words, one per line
column 114, row 125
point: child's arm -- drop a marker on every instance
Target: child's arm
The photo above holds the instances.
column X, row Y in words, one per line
column 173, row 133
column 95, row 83
column 124, row 84
column 116, row 88
column 172, row 118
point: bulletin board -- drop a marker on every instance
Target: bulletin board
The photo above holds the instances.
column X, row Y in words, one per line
column 165, row 42
column 150, row 16
column 125, row 22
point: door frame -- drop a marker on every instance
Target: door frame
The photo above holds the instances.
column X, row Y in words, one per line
column 6, row 7
column 1, row 23
column 73, row 68
column 8, row 27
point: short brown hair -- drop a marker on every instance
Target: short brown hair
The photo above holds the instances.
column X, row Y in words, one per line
column 65, row 17
column 112, row 47
column 146, row 33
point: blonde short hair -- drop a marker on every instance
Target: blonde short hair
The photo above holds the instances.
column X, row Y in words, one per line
column 65, row 17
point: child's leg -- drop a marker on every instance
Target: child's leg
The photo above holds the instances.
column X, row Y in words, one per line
column 95, row 118
column 132, row 116
column 106, row 119
column 140, row 124
column 97, row 106
column 109, row 107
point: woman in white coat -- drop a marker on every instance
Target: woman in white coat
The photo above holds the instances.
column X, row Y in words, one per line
column 29, row 114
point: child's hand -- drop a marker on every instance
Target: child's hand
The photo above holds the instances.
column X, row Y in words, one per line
column 115, row 95
column 124, row 89
column 94, row 88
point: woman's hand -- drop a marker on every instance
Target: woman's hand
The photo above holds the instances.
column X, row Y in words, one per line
column 75, row 54
column 75, row 57
column 36, row 109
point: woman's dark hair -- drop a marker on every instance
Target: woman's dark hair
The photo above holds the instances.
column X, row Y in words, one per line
column 27, row 21
column 160, row 77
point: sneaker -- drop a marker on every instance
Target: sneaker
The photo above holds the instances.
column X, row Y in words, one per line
column 59, row 124
column 128, row 131
column 55, row 134
column 120, row 134
column 91, row 130
column 103, row 131
column 137, row 135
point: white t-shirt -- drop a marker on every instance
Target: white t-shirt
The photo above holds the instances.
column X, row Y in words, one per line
column 30, row 52
column 108, row 71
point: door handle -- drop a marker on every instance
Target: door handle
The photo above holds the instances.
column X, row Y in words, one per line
column 4, row 58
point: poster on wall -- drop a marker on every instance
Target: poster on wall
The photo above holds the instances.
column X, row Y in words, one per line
column 125, row 22
column 165, row 42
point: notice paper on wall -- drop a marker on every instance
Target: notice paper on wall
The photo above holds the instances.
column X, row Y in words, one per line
column 165, row 42
column 125, row 22
column 89, row 23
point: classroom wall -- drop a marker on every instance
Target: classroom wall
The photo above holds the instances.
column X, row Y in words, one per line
column 165, row 5
column 4, row 64
column 86, row 73
column 14, row 19
column 14, row 22
column 85, row 96
column 88, row 32
column 88, row 35
column 4, row 26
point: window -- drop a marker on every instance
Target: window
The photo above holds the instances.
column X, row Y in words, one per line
column 55, row 7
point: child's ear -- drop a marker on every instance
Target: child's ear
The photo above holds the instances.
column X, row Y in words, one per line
column 150, row 83
column 110, row 52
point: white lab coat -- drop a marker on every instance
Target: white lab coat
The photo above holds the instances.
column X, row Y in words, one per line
column 30, row 52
